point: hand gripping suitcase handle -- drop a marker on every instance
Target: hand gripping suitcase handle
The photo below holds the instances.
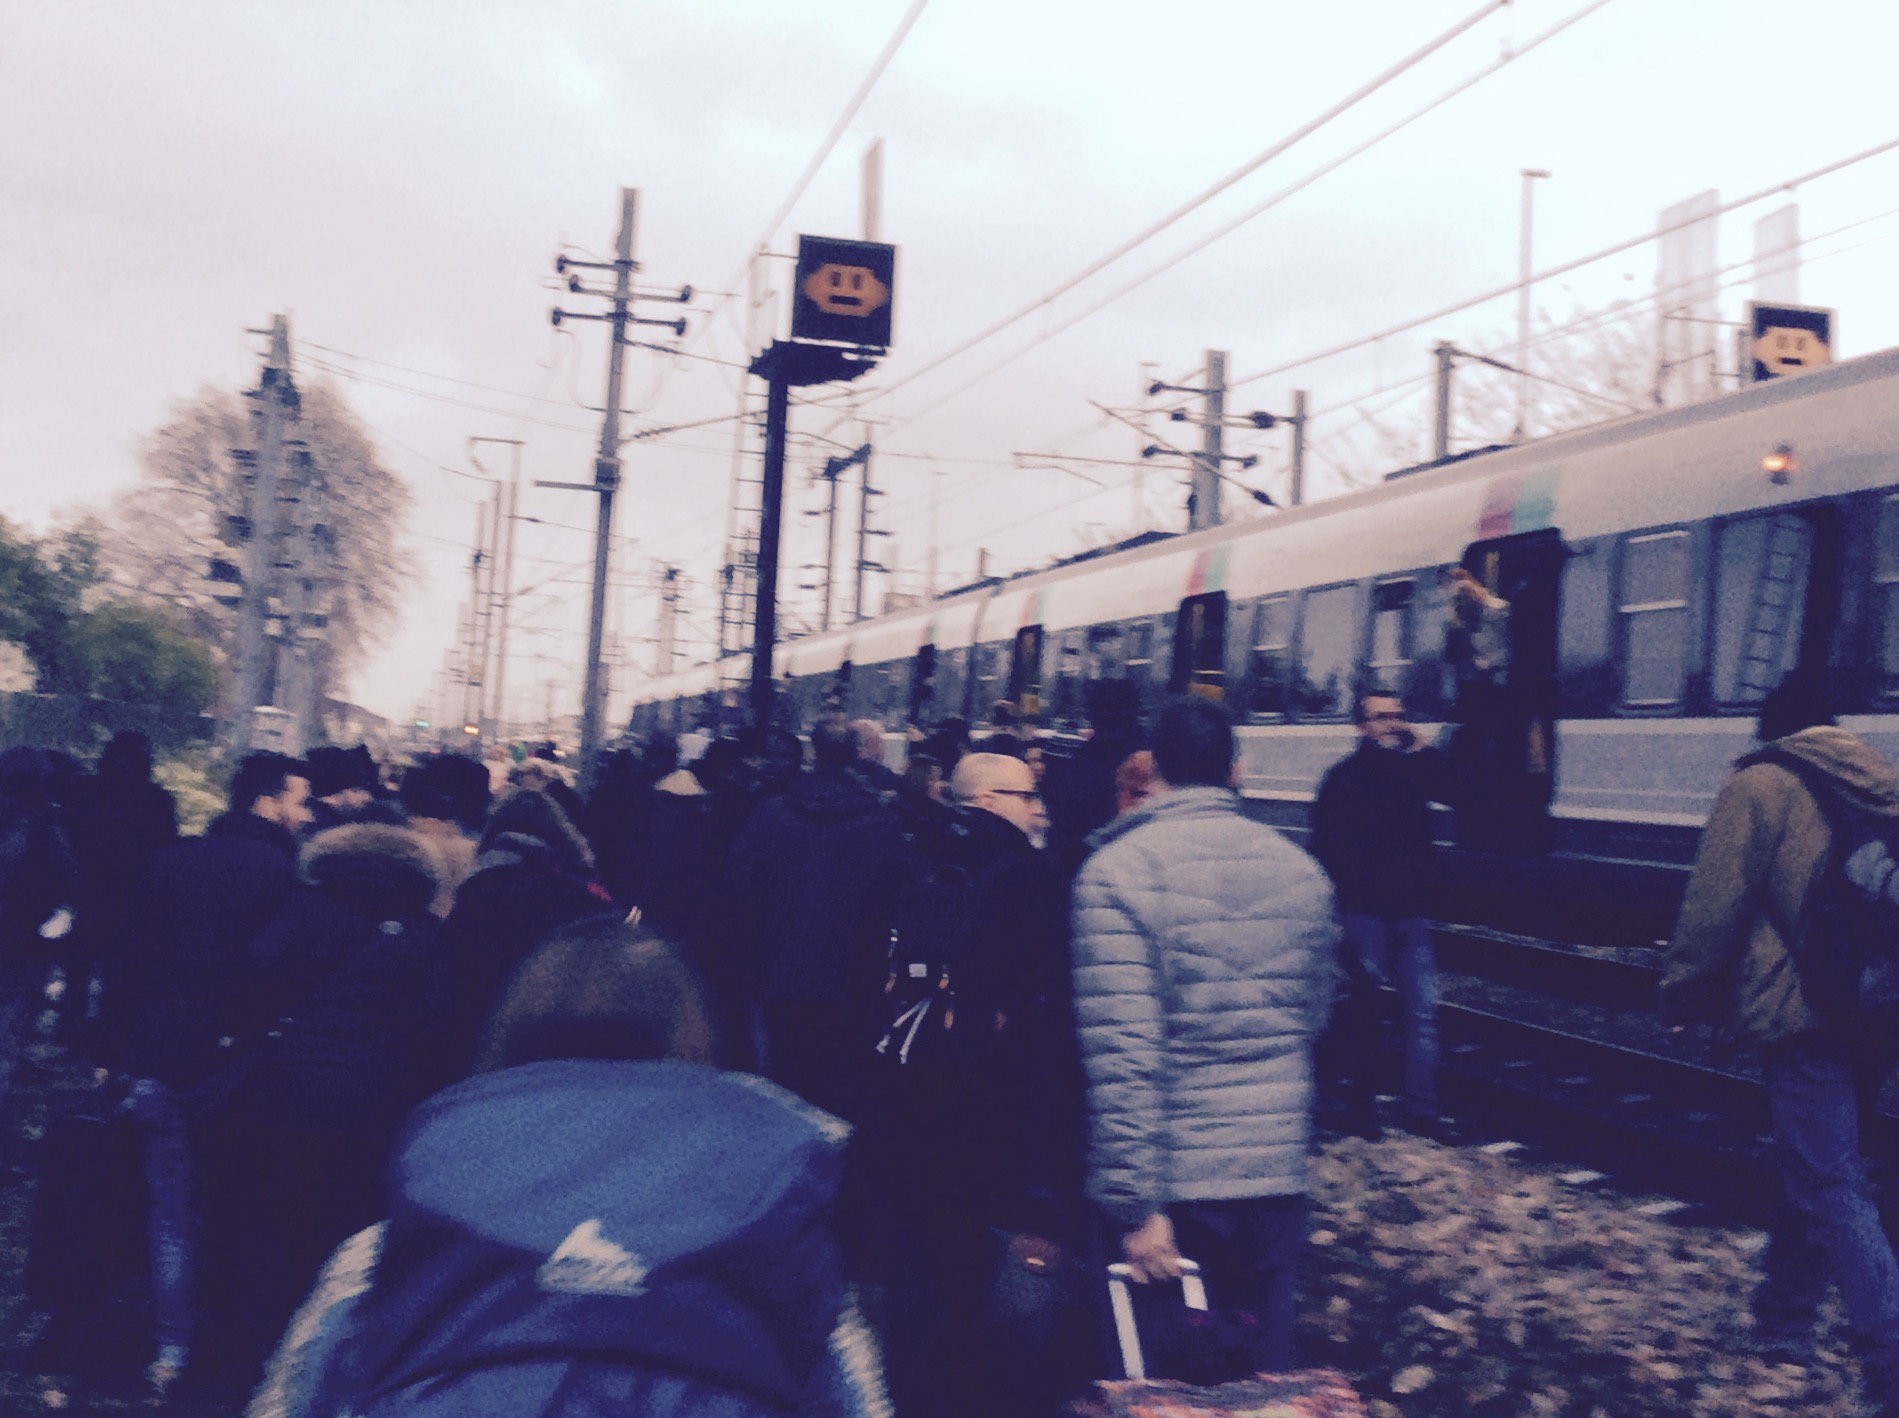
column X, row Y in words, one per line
column 1120, row 1275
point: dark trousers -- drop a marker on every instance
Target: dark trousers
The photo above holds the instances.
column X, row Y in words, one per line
column 1249, row 1251
column 1829, row 1229
column 821, row 1051
column 940, row 1261
column 1379, row 951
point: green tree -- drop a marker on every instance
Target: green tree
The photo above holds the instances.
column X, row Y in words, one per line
column 133, row 654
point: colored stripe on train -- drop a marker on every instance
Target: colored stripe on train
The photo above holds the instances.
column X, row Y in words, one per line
column 1523, row 503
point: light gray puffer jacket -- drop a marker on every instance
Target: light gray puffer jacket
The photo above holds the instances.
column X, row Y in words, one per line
column 1204, row 968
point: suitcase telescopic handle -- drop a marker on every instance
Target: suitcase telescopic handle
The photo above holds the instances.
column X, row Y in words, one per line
column 1120, row 1275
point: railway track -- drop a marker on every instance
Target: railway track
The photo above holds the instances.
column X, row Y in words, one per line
column 1556, row 1046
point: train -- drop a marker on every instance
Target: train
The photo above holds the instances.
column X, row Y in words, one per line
column 1662, row 571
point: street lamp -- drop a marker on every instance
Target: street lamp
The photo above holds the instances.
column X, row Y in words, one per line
column 1530, row 175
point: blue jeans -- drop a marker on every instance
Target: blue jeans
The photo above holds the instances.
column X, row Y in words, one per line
column 171, row 1223
column 1381, row 952
column 1830, row 1229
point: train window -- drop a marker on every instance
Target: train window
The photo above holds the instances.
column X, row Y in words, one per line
column 1760, row 602
column 1025, row 669
column 1391, row 623
column 1069, row 666
column 1265, row 676
column 1106, row 656
column 1199, row 661
column 1326, row 625
column 1654, row 611
column 1140, row 641
column 952, row 674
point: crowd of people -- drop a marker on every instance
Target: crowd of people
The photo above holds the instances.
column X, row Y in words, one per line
column 779, row 1080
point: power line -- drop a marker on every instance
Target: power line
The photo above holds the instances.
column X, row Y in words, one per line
column 359, row 377
column 1566, row 267
column 1194, row 203
column 1593, row 319
column 882, row 62
column 1261, row 208
column 824, row 150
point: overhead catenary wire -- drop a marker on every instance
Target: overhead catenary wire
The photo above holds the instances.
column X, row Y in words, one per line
column 1593, row 319
column 1457, row 307
column 1200, row 199
column 1261, row 208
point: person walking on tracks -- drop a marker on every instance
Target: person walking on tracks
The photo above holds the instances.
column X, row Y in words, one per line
column 1371, row 829
column 1750, row 953
column 184, row 982
column 979, row 1133
column 1203, row 959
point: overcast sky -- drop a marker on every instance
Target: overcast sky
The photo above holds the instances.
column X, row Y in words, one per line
column 397, row 178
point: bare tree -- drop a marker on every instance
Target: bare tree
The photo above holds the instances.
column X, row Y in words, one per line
column 169, row 527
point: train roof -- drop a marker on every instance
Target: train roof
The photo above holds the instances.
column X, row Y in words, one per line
column 1641, row 470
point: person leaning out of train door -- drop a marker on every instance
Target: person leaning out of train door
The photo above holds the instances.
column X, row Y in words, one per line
column 1371, row 831
column 1748, row 957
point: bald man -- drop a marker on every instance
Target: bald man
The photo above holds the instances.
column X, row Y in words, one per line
column 985, row 1139
column 1005, row 787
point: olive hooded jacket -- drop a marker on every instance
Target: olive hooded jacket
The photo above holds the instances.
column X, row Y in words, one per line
column 1731, row 962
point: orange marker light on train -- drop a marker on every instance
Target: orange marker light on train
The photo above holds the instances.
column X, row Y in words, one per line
column 1780, row 465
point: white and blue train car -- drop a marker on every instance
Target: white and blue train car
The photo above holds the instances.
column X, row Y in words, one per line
column 1664, row 571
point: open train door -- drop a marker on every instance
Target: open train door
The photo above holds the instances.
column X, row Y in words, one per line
column 1501, row 645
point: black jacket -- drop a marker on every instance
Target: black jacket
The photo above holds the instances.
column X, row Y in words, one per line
column 801, row 891
column 117, row 823
column 1371, row 829
column 182, row 974
column 1000, row 1130
column 515, row 898
column 360, row 986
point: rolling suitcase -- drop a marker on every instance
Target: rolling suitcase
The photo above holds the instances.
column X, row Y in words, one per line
column 1304, row 1393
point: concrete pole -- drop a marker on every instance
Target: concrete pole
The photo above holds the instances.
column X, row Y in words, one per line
column 831, row 473
column 606, row 481
column 490, row 610
column 507, row 599
column 1530, row 175
column 668, row 621
column 1446, row 355
column 1298, row 495
column 277, row 402
column 1207, row 463
column 471, row 648
column 864, row 494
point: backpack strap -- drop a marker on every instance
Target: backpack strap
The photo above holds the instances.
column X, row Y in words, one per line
column 1833, row 810
column 1821, row 788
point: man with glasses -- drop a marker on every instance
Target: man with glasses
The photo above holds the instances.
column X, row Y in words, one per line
column 983, row 1135
column 1371, row 830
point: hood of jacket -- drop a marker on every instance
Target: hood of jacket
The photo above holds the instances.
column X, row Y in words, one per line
column 824, row 795
column 656, row 1215
column 681, row 783
column 1174, row 805
column 375, row 871
column 1853, row 765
